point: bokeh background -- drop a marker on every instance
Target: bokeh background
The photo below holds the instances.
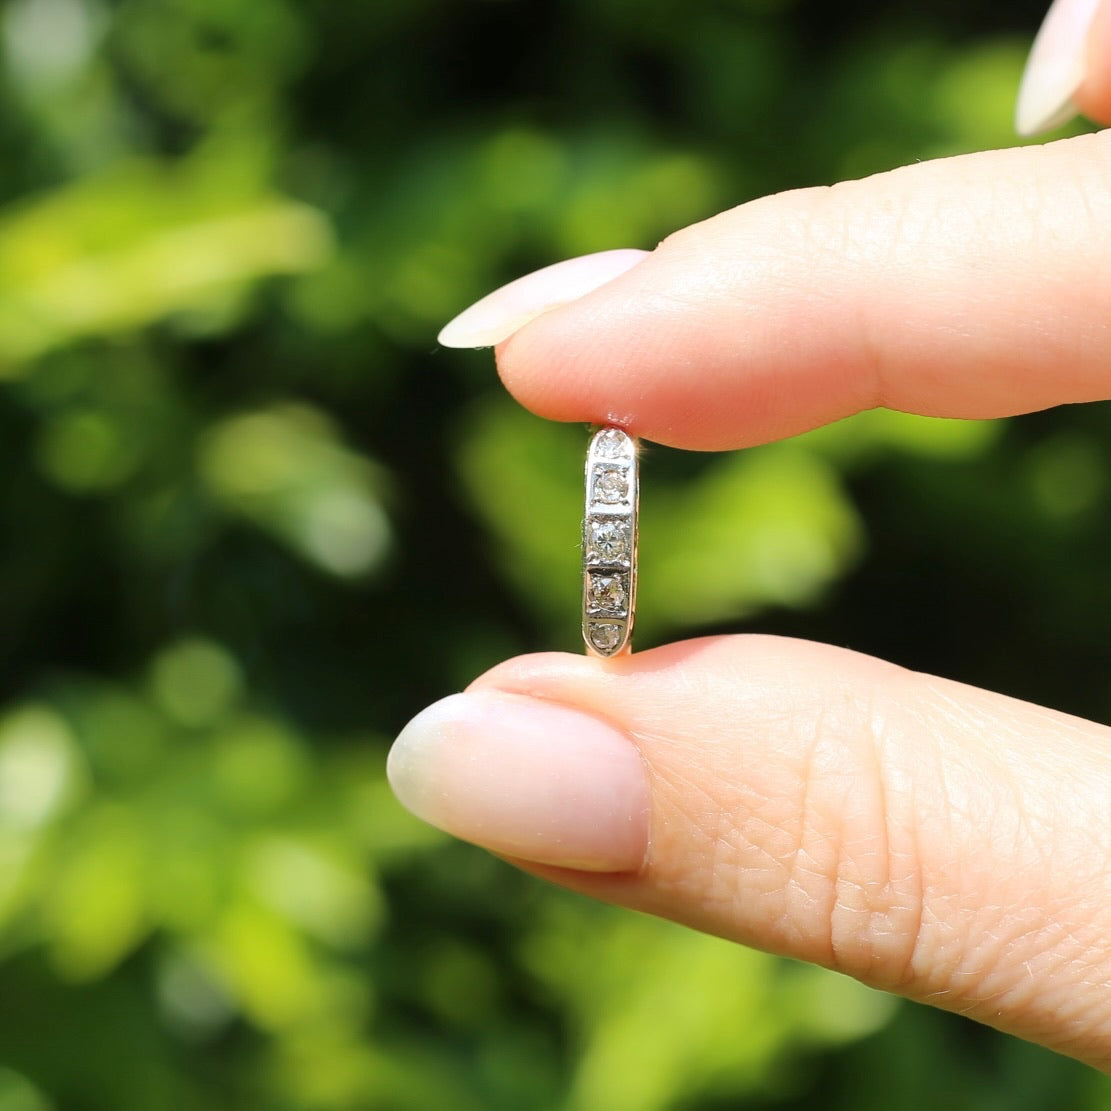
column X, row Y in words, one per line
column 253, row 519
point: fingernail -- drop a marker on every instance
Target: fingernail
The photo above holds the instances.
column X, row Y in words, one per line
column 499, row 314
column 527, row 779
column 1056, row 67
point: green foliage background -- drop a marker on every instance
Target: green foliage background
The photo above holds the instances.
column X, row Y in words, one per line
column 253, row 519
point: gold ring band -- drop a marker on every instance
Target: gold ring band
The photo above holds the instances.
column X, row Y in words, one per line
column 609, row 542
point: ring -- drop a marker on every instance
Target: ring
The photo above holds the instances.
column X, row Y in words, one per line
column 609, row 542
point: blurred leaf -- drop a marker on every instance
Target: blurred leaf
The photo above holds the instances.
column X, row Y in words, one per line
column 318, row 887
column 629, row 197
column 93, row 912
column 870, row 437
column 203, row 60
column 768, row 526
column 524, row 479
column 48, row 41
column 665, row 1013
column 267, row 967
column 973, row 96
column 41, row 771
column 285, row 469
column 195, row 681
column 137, row 244
column 86, row 450
column 1067, row 477
column 17, row 1093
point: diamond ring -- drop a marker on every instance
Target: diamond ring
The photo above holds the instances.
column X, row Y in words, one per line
column 610, row 542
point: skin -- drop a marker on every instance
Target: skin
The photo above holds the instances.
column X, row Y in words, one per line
column 967, row 287
column 1094, row 97
column 931, row 839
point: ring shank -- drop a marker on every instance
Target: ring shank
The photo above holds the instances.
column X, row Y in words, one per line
column 609, row 542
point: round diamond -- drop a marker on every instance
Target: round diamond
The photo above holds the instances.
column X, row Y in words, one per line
column 611, row 486
column 607, row 540
column 607, row 592
column 611, row 444
column 605, row 637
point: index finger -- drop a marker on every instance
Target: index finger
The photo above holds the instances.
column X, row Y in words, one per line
column 976, row 286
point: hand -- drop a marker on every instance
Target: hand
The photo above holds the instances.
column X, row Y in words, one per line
column 928, row 838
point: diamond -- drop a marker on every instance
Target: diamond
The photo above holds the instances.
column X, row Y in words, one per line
column 608, row 541
column 605, row 637
column 606, row 592
column 611, row 444
column 611, row 485
column 609, row 533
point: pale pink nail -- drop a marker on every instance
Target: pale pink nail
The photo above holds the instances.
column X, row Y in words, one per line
column 525, row 778
column 499, row 314
column 1056, row 67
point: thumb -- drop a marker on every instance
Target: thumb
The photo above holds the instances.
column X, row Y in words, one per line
column 927, row 838
column 1069, row 69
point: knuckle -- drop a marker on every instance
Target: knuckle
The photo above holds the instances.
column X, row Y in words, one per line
column 857, row 864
